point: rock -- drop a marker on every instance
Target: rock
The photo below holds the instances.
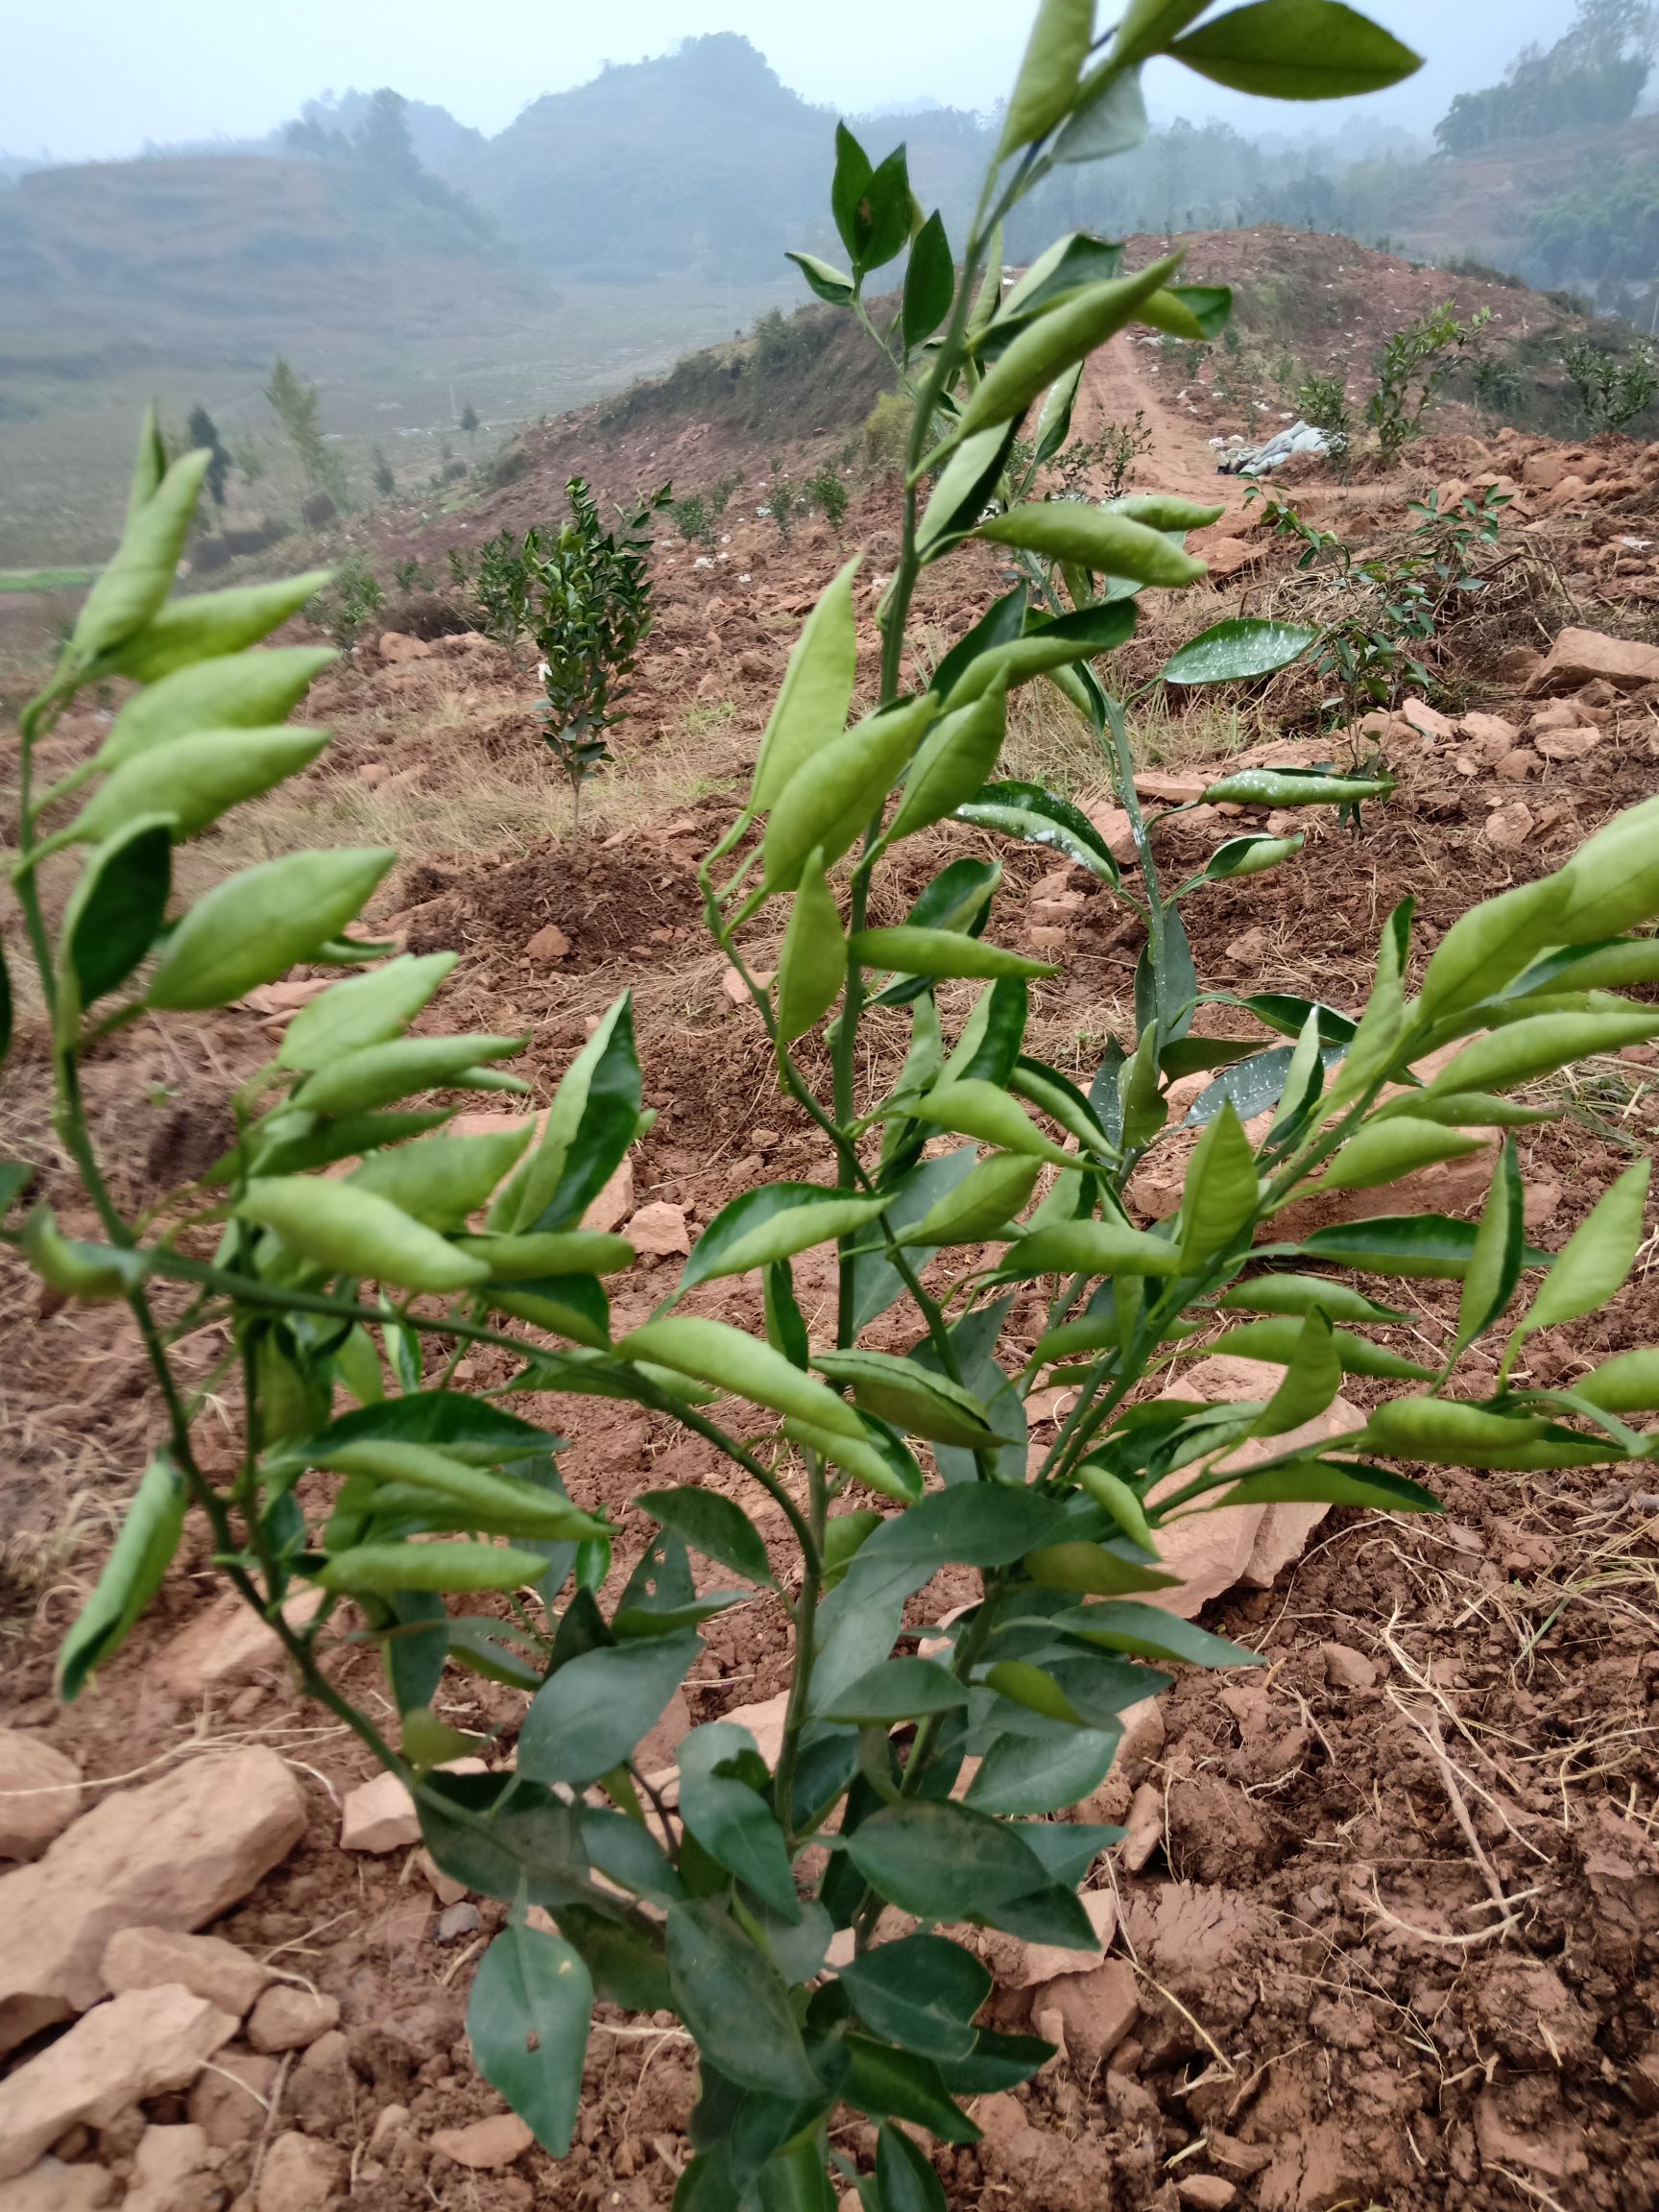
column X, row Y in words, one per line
column 394, row 646
column 1226, row 557
column 229, row 2098
column 1519, row 664
column 39, row 1792
column 462, row 1918
column 1491, row 733
column 389, row 2121
column 548, row 944
column 144, row 1958
column 319, row 2093
column 1583, row 655
column 1187, row 1932
column 163, row 2166
column 1515, row 767
column 1543, row 472
column 1510, row 827
column 614, row 1202
column 444, row 1887
column 287, row 2019
column 1097, row 2010
column 487, row 2145
column 1567, row 744
column 1426, row 719
column 1049, row 1962
column 1209, row 2192
column 137, row 2045
column 1170, row 791
column 1346, row 1669
column 1212, row 1551
column 1145, row 1826
column 1569, row 493
column 1051, row 2027
column 51, row 2186
column 299, row 2174
column 176, row 1853
column 1143, row 1733
column 378, row 1815
column 660, row 1230
column 229, row 1644
column 1111, row 821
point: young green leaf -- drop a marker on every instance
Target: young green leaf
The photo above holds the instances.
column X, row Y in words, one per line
column 368, row 1009
column 812, row 965
column 352, row 1231
column 379, row 1074
column 1597, row 1259
column 827, row 283
column 1067, row 333
column 958, row 756
column 1092, row 1248
column 1382, row 1151
column 1221, row 1190
column 936, row 952
column 974, row 1108
column 1522, row 1050
column 1446, row 1430
column 116, row 909
column 592, row 1121
column 714, row 1351
column 903, row 1392
column 1046, row 85
column 1312, row 1378
column 250, row 690
column 929, row 282
column 527, row 2022
column 983, row 1204
column 133, row 1572
column 830, row 799
column 1277, row 1336
column 1094, row 538
column 1292, row 787
column 774, row 1222
column 443, row 1180
column 541, row 1253
column 254, row 925
column 810, row 709
column 1251, row 856
column 1236, row 652
column 378, row 1570
column 211, row 625
column 192, row 781
column 1331, row 1482
column 132, row 587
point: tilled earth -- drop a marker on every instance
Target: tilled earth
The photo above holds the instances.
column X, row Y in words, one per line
column 1386, row 1923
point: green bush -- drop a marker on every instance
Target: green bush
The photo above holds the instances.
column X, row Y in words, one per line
column 1410, row 370
column 1612, row 391
column 442, row 1517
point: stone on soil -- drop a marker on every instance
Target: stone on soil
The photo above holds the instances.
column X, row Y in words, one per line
column 176, row 1853
column 299, row 2174
column 486, row 2145
column 287, row 2019
column 164, row 2166
column 1583, row 655
column 1096, row 2009
column 144, row 1958
column 137, row 2045
column 227, row 1644
column 51, row 2186
column 659, row 1230
column 229, row 2097
column 378, row 1815
column 40, row 1793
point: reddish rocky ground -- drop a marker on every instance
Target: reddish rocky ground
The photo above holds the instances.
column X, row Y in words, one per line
column 1384, row 1931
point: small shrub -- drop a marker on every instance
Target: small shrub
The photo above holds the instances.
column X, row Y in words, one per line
column 781, row 503
column 382, row 477
column 350, row 603
column 408, row 575
column 502, row 586
column 1410, row 370
column 1611, row 391
column 887, row 434
column 589, row 611
column 825, row 491
column 1323, row 401
column 505, row 467
column 692, row 518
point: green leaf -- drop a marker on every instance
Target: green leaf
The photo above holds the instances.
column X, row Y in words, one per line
column 960, row 493
column 1331, row 1482
column 1595, row 1260
column 1236, row 652
column 191, row 782
column 137, row 1563
column 588, row 1718
column 1021, row 1775
column 1092, row 1569
column 827, row 283
column 956, row 758
column 379, row 1074
column 975, row 1108
column 443, row 1181
column 1522, row 1050
column 1296, row 50
column 1293, row 787
column 352, row 1231
column 813, row 701
column 1148, row 1632
column 899, row 1391
column 250, row 690
column 368, row 1009
column 919, row 1992
column 1489, row 946
column 1288, row 1013
column 1299, row 1294
column 1046, row 85
column 503, row 1836
column 132, row 588
column 714, row 1351
column 876, row 1282
column 254, row 925
column 942, row 1861
column 592, row 1121
column 116, row 908
column 905, row 2179
column 549, row 1253
column 996, row 2062
column 1627, row 1383
column 1275, row 1339
column 528, row 2021
column 1312, row 1378
column 210, row 626
column 1221, row 1191
column 1112, row 120
column 929, row 282
column 729, row 1819
column 1093, row 538
column 902, row 1689
column 1425, row 1244
column 1611, row 881
column 936, row 952
column 466, row 1427
column 1066, row 333
column 888, row 2083
column 1091, row 1248
column 812, row 965
column 734, row 2004
column 1039, row 817
column 714, row 1526
column 1250, row 855
column 1382, row 1151
column 830, row 801
column 1446, row 1430
column 774, row 1222
column 1499, row 1252
column 379, row 1570
column 1206, row 307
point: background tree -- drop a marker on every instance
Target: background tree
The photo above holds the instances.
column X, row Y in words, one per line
column 202, row 432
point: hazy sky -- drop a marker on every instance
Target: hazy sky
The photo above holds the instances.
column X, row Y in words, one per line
column 89, row 78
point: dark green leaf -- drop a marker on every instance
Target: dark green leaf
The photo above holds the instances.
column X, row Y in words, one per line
column 1235, row 651
column 905, row 2179
column 415, row 1646
column 626, row 1961
column 975, row 1338
column 876, row 1282
column 483, row 1647
column 1031, row 1774
column 734, row 2004
column 527, row 2022
column 468, row 1428
column 996, row 2062
column 729, row 1819
column 1039, row 817
column 901, row 1689
column 942, row 1861
column 503, row 1836
column 132, row 1573
column 1284, row 1011
column 588, row 1718
column 774, row 1222
column 1296, row 50
column 896, row 2083
column 1000, row 624
column 115, row 911
column 1426, row 1244
column 16, row 1175
column 930, row 282
column 1149, row 1632
column 921, row 1993
column 714, row 1526
column 1331, row 1482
